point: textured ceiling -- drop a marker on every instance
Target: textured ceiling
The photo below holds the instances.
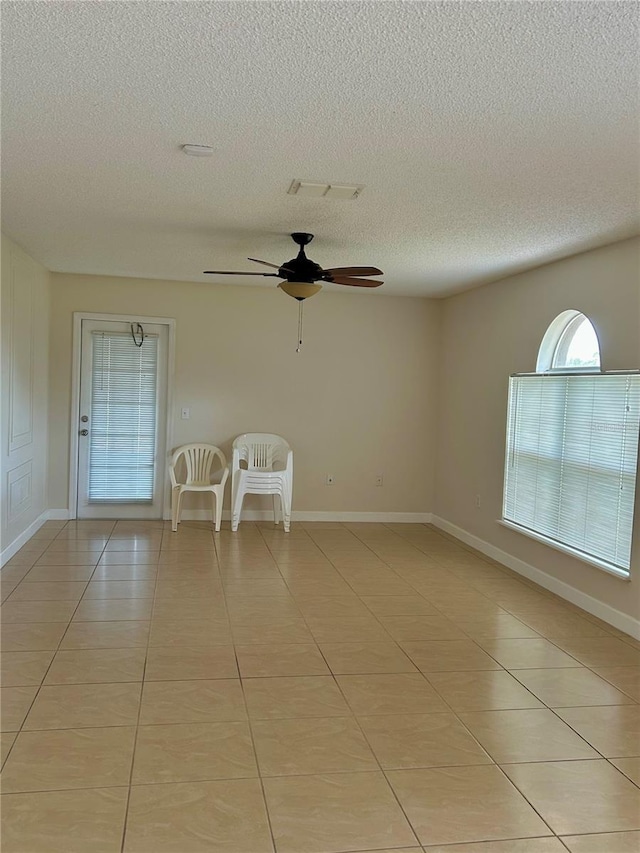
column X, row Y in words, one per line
column 491, row 137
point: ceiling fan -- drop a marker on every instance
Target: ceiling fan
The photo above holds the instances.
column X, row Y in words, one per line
column 301, row 274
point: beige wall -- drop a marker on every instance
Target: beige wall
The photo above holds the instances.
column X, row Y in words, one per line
column 360, row 399
column 496, row 330
column 23, row 404
column 413, row 388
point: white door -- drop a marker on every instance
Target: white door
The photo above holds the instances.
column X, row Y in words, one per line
column 122, row 419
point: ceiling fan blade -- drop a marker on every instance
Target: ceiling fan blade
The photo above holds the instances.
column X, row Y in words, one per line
column 266, row 263
column 230, row 272
column 286, row 269
column 354, row 271
column 354, row 282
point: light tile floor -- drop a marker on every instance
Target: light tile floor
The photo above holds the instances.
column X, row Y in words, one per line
column 343, row 687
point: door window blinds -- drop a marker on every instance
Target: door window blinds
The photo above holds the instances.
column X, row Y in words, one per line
column 123, row 418
column 571, row 460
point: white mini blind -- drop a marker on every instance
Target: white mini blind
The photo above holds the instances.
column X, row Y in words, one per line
column 571, row 461
column 123, row 418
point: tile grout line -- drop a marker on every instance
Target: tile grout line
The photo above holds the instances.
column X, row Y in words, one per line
column 41, row 685
column 55, row 652
column 331, row 673
column 251, row 732
column 137, row 725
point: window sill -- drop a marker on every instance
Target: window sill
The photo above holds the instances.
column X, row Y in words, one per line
column 621, row 574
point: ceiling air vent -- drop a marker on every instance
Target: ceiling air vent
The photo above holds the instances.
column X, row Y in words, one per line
column 313, row 189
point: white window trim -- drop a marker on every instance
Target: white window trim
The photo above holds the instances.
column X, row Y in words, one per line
column 545, row 367
column 551, row 339
column 589, row 559
column 78, row 317
column 621, row 574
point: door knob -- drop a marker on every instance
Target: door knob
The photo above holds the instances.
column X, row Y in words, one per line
column 84, row 432
column 84, row 418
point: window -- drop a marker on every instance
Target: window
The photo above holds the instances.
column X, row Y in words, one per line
column 577, row 347
column 572, row 449
column 570, row 343
column 123, row 415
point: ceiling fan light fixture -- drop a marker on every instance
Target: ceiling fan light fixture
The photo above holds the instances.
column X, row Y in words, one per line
column 300, row 289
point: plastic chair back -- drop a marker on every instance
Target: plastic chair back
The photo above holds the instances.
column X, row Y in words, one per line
column 261, row 450
column 200, row 461
column 262, row 464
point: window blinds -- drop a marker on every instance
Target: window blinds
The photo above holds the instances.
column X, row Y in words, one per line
column 571, row 459
column 123, row 418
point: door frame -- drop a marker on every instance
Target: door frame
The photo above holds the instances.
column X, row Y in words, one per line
column 78, row 317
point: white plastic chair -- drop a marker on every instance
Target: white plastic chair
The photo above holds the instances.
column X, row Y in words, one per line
column 262, row 464
column 199, row 461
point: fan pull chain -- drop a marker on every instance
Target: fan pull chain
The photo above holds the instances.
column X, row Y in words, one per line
column 300, row 319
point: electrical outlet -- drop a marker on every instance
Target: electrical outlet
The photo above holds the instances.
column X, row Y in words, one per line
column 379, row 479
column 477, row 501
column 330, row 480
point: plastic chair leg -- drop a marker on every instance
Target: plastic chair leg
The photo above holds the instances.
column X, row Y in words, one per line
column 286, row 510
column 175, row 501
column 217, row 510
column 179, row 508
column 275, row 508
column 236, row 509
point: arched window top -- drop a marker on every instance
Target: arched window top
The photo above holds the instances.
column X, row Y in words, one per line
column 570, row 343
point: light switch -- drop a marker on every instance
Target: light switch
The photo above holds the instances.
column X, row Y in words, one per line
column 185, row 413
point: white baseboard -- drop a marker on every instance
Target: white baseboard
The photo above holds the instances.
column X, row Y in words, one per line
column 23, row 538
column 312, row 515
column 59, row 515
column 379, row 517
column 611, row 615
